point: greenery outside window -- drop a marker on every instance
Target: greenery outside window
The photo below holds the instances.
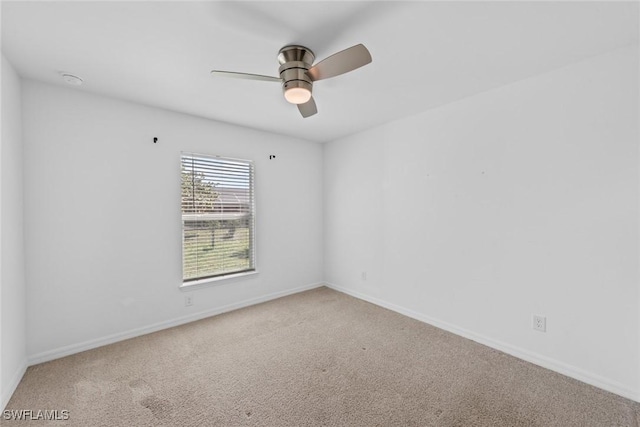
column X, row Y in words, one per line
column 218, row 217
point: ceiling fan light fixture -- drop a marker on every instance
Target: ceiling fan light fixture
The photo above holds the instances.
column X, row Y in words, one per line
column 297, row 74
column 297, row 95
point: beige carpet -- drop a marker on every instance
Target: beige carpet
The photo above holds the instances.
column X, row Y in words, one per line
column 319, row 358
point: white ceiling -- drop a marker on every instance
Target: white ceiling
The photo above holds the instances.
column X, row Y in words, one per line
column 425, row 54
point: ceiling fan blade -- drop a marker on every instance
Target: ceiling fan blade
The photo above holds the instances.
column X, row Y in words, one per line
column 308, row 108
column 340, row 63
column 246, row 76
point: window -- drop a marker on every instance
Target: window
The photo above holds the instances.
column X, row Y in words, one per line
column 217, row 217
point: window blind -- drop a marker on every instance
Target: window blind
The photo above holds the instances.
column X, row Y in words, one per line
column 218, row 216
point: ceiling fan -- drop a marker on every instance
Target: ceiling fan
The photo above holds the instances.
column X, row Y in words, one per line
column 297, row 73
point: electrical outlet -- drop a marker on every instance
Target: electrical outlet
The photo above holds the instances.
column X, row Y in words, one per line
column 539, row 323
column 364, row 275
column 188, row 300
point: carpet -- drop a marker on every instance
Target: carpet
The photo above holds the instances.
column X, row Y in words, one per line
column 317, row 358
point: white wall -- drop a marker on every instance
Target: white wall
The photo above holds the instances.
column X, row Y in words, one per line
column 12, row 279
column 103, row 236
column 521, row 200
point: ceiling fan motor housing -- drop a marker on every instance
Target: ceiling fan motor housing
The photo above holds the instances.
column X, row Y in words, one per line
column 294, row 62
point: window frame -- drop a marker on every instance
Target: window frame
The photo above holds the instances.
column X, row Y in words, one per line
column 224, row 277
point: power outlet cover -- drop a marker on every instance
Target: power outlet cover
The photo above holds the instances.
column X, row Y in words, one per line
column 539, row 323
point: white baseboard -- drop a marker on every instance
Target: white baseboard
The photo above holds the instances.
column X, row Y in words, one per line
column 13, row 384
column 537, row 359
column 57, row 353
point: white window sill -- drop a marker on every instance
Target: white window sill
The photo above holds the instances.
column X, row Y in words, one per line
column 214, row 281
